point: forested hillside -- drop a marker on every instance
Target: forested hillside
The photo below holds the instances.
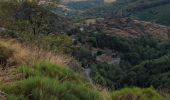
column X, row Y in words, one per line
column 149, row 10
column 46, row 56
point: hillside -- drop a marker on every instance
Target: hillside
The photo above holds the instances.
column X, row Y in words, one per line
column 111, row 47
column 153, row 10
column 74, row 8
column 48, row 81
column 46, row 56
column 26, row 73
column 126, row 27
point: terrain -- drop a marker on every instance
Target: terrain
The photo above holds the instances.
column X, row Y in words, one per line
column 74, row 8
column 154, row 11
column 46, row 53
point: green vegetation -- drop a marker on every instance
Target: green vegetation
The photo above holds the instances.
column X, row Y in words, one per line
column 83, row 5
column 47, row 81
column 148, row 10
column 143, row 60
column 152, row 72
column 112, row 78
column 136, row 94
column 34, row 24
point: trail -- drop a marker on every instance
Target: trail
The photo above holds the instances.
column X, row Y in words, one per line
column 87, row 72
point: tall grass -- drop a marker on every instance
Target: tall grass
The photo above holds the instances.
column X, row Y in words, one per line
column 42, row 88
column 51, row 70
column 30, row 55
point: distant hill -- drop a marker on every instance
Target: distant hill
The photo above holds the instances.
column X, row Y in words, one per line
column 148, row 10
column 68, row 1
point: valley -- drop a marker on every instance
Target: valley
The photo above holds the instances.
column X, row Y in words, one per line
column 84, row 50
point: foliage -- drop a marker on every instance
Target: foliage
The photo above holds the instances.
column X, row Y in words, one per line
column 58, row 43
column 34, row 23
column 83, row 5
column 139, row 58
column 152, row 72
column 114, row 72
column 136, row 94
column 148, row 10
column 82, row 54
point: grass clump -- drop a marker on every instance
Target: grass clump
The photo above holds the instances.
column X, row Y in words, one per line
column 5, row 52
column 60, row 73
column 49, row 82
column 43, row 88
column 26, row 54
column 136, row 94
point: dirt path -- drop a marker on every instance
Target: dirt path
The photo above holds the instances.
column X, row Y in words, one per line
column 87, row 72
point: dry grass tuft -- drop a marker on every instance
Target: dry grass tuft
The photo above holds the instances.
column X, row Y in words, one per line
column 30, row 55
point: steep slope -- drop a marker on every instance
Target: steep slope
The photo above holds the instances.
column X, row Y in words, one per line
column 53, row 81
column 47, row 81
column 21, row 54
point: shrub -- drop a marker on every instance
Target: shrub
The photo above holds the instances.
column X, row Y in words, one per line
column 136, row 94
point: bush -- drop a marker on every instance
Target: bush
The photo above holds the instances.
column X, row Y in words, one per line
column 107, row 75
column 58, row 43
column 136, row 94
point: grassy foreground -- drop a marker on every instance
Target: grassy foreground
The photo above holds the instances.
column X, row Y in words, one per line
column 47, row 81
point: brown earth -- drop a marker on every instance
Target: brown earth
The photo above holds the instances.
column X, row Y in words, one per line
column 130, row 28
